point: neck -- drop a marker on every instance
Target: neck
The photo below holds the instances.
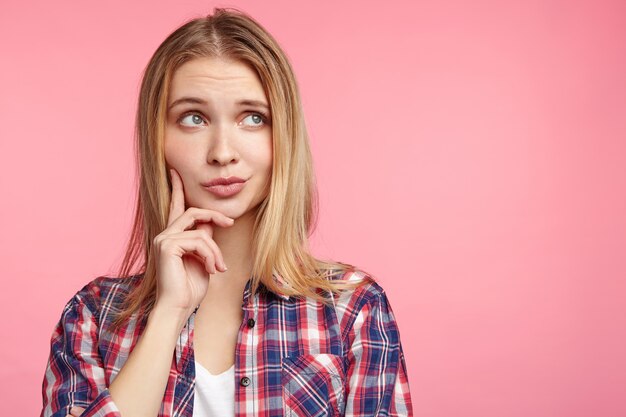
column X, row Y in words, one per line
column 235, row 243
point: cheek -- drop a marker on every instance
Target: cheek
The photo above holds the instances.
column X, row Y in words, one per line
column 259, row 160
column 169, row 152
column 175, row 155
column 266, row 155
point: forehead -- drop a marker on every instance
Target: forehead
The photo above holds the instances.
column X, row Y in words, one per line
column 216, row 76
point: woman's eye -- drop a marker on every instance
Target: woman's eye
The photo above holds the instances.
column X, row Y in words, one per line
column 194, row 120
column 253, row 120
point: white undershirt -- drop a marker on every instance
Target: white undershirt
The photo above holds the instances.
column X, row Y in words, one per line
column 214, row 395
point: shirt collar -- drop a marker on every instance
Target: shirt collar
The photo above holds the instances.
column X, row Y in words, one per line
column 279, row 280
column 283, row 284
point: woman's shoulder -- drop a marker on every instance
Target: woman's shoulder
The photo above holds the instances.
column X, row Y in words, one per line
column 366, row 288
column 106, row 291
column 364, row 304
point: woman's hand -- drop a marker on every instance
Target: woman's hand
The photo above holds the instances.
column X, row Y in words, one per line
column 185, row 257
column 76, row 412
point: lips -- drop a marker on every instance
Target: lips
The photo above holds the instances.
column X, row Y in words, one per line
column 223, row 181
column 225, row 187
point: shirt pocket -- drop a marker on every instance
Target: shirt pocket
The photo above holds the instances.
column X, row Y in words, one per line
column 313, row 385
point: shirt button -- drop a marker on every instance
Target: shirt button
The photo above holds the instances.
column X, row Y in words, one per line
column 251, row 323
column 245, row 381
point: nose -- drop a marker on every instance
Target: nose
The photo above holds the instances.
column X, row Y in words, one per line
column 221, row 150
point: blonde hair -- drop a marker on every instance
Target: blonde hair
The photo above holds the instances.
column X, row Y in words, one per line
column 286, row 217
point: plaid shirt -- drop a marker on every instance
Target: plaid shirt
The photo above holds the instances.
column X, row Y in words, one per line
column 294, row 357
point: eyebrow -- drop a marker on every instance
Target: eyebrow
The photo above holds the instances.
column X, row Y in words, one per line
column 197, row 100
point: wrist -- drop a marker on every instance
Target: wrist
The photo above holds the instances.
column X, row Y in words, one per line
column 169, row 316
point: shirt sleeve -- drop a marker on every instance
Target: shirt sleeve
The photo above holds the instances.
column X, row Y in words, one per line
column 377, row 377
column 74, row 373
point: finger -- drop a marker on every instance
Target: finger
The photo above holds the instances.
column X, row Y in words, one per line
column 194, row 215
column 184, row 244
column 217, row 253
column 177, row 199
column 201, row 233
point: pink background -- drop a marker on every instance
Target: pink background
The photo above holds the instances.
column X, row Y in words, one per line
column 471, row 155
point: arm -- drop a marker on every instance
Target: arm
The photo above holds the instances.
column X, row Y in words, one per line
column 75, row 374
column 139, row 387
column 377, row 376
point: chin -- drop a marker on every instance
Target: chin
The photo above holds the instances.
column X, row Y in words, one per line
column 232, row 208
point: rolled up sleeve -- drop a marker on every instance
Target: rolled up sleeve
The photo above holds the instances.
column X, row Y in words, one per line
column 377, row 375
column 74, row 374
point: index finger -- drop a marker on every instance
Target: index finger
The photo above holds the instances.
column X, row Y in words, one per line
column 177, row 199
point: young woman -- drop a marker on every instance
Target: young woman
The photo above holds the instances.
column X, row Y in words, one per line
column 228, row 313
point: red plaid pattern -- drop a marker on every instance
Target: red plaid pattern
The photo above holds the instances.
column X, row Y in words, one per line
column 294, row 356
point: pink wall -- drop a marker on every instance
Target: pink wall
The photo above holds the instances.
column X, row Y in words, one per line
column 482, row 152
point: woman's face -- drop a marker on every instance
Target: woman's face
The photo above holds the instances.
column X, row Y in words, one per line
column 219, row 126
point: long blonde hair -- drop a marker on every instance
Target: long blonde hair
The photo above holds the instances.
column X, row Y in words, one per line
column 286, row 217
